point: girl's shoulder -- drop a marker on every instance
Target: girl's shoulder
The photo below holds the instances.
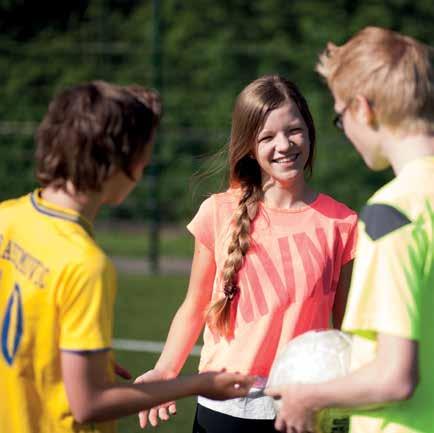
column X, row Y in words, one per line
column 230, row 197
column 219, row 206
column 332, row 208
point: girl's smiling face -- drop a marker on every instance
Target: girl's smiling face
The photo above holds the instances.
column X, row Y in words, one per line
column 282, row 146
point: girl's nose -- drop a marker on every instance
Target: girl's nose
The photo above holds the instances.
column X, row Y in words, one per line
column 283, row 142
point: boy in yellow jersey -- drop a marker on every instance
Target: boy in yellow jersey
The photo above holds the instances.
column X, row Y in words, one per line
column 57, row 287
column 383, row 86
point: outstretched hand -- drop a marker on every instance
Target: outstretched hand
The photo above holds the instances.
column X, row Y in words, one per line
column 296, row 414
column 161, row 412
column 222, row 385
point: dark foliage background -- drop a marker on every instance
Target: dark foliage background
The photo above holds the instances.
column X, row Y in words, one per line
column 209, row 51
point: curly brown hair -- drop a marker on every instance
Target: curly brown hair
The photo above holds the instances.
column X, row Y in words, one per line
column 252, row 107
column 92, row 129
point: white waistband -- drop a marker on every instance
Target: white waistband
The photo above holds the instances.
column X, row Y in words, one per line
column 254, row 406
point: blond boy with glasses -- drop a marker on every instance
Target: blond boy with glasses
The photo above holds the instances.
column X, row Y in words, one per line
column 383, row 86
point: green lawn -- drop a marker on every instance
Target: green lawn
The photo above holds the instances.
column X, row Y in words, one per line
column 144, row 308
column 134, row 243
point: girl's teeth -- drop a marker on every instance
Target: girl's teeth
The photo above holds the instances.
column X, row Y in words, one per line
column 283, row 160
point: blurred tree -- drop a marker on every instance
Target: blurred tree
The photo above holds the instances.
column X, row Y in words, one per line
column 211, row 50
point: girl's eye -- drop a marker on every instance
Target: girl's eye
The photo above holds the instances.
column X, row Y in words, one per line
column 295, row 131
column 265, row 139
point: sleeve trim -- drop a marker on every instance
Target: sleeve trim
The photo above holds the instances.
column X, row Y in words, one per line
column 382, row 219
column 199, row 238
column 371, row 332
column 86, row 351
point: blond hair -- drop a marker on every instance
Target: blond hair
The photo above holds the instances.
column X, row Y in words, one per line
column 394, row 72
column 250, row 112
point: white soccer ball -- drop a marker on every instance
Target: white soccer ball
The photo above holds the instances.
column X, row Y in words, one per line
column 314, row 357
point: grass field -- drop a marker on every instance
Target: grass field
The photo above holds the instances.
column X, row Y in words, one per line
column 144, row 308
column 134, row 243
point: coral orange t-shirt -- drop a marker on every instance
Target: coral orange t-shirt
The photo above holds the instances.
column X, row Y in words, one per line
column 288, row 279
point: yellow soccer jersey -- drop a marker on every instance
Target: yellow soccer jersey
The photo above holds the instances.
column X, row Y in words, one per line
column 57, row 291
column 392, row 291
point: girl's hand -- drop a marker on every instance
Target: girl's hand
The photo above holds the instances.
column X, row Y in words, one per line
column 222, row 385
column 296, row 414
column 164, row 410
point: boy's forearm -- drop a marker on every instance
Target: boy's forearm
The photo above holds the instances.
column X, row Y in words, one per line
column 364, row 388
column 391, row 376
column 114, row 401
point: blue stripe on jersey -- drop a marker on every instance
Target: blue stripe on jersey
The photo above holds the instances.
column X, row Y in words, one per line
column 59, row 214
column 15, row 298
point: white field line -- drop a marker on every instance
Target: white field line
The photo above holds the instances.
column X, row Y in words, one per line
column 145, row 346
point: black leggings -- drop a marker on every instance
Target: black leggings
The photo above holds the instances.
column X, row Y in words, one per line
column 210, row 421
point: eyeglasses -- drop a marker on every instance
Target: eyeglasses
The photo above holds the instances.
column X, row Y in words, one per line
column 338, row 119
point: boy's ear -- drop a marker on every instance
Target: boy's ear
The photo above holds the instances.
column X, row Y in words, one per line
column 331, row 47
column 364, row 112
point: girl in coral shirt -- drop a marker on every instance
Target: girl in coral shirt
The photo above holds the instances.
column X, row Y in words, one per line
column 272, row 258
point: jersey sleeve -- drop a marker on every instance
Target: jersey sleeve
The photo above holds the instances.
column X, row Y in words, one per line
column 386, row 288
column 202, row 225
column 349, row 236
column 85, row 302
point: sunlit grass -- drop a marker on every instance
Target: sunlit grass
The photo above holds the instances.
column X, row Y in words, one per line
column 135, row 243
column 144, row 309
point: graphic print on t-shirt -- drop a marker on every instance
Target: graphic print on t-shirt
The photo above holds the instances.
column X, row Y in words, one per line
column 264, row 283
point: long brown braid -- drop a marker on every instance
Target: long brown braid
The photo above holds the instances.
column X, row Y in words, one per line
column 219, row 313
column 251, row 109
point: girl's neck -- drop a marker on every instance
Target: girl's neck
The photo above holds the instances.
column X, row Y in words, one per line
column 293, row 196
column 86, row 204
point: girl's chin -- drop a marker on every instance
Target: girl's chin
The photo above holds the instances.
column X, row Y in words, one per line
column 289, row 176
column 288, row 181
